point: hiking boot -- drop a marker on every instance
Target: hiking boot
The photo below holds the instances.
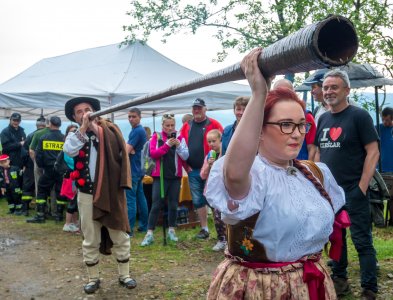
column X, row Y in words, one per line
column 341, row 286
column 368, row 295
column 172, row 236
column 92, row 286
column 148, row 240
column 203, row 234
column 220, row 246
column 128, row 282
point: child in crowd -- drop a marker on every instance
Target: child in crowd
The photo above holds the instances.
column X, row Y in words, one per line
column 10, row 183
column 214, row 140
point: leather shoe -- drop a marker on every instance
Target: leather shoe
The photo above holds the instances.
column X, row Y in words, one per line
column 128, row 283
column 92, row 286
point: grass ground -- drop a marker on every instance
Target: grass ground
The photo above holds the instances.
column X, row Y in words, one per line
column 176, row 271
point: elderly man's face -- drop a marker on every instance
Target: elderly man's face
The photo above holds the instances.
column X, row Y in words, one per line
column 199, row 113
column 335, row 91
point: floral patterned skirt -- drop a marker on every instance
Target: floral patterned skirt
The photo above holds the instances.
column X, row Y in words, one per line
column 234, row 281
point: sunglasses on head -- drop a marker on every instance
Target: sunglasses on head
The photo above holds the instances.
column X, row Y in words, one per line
column 168, row 116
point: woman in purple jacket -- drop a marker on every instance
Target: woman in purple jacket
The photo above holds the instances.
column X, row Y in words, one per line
column 169, row 152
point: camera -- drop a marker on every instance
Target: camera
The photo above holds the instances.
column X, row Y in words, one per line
column 173, row 135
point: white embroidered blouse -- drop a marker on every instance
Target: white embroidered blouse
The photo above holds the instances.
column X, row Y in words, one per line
column 294, row 220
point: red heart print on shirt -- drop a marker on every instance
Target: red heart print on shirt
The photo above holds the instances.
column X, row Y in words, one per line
column 335, row 133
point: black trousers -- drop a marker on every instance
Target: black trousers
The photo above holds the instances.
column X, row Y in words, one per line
column 49, row 179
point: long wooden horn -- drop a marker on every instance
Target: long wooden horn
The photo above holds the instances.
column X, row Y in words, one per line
column 330, row 42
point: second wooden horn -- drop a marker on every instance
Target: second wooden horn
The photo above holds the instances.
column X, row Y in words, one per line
column 330, row 42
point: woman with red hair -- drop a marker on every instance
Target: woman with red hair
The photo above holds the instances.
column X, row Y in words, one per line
column 279, row 211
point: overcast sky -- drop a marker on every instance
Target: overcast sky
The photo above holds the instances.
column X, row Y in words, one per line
column 31, row 30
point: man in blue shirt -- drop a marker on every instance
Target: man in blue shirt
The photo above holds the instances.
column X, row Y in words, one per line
column 135, row 196
column 238, row 109
column 386, row 135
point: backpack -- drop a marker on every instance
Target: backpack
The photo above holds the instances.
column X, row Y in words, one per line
column 148, row 164
column 378, row 192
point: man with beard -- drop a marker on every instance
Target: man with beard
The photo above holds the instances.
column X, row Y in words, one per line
column 348, row 144
column 195, row 132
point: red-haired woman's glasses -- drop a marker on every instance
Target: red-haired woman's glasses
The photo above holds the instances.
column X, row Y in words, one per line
column 289, row 127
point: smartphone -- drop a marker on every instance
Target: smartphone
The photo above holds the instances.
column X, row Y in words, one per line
column 173, row 135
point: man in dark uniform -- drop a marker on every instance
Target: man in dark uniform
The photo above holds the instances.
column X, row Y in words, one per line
column 12, row 139
column 28, row 188
column 49, row 147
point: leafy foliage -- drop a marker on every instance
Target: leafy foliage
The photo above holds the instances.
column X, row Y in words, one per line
column 245, row 24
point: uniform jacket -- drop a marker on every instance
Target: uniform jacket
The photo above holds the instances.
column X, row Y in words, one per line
column 49, row 147
column 15, row 177
column 10, row 140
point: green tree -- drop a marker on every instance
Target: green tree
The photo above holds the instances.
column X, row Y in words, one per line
column 245, row 24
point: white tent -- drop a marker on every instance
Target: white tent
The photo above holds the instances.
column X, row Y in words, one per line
column 112, row 74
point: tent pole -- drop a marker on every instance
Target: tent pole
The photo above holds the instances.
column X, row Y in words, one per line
column 154, row 122
column 312, row 103
column 378, row 129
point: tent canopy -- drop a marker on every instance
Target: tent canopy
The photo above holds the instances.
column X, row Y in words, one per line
column 113, row 75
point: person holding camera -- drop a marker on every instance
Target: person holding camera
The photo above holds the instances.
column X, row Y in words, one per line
column 169, row 152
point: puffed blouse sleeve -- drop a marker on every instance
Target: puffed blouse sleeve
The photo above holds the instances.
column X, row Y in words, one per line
column 218, row 197
column 335, row 192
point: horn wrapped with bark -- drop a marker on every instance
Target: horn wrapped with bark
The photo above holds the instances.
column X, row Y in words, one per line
column 330, row 42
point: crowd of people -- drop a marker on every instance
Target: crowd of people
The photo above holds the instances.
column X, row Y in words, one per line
column 281, row 182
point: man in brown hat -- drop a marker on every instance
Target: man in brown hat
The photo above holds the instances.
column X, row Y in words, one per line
column 101, row 173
